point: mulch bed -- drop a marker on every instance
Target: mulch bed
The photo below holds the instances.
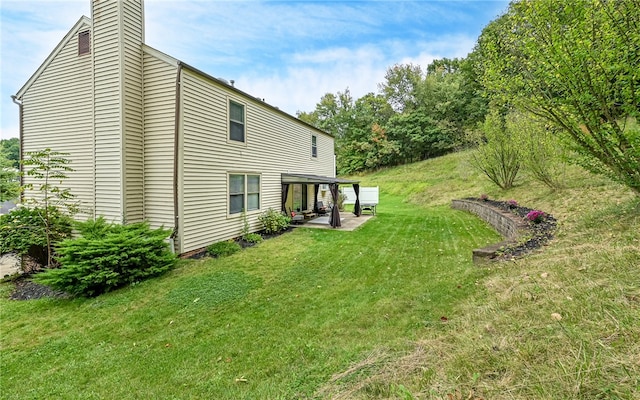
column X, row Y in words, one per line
column 28, row 290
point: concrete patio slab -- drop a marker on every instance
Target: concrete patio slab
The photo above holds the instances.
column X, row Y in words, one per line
column 349, row 222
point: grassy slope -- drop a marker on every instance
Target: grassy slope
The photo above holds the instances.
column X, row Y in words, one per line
column 274, row 321
column 506, row 344
column 357, row 314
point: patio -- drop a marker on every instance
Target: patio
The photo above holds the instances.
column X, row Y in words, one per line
column 348, row 220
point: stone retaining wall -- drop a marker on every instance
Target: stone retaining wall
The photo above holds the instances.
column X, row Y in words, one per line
column 508, row 225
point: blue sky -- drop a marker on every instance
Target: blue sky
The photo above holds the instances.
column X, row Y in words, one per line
column 288, row 52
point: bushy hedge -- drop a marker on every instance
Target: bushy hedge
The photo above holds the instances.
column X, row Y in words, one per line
column 274, row 221
column 108, row 256
column 223, row 249
column 24, row 232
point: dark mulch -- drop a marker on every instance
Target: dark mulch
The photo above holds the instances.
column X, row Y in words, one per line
column 541, row 232
column 28, row 290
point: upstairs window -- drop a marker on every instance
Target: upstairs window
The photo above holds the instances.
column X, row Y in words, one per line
column 314, row 146
column 236, row 121
column 84, row 43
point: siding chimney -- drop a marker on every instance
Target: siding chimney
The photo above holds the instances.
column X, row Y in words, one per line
column 118, row 34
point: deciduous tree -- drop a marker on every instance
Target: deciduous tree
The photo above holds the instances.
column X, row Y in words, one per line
column 575, row 63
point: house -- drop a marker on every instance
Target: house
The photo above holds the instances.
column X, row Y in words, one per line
column 152, row 138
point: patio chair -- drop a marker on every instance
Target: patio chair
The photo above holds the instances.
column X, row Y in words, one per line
column 322, row 209
column 296, row 218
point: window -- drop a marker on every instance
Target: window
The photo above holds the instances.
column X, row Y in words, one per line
column 244, row 193
column 236, row 121
column 314, row 146
column 84, row 43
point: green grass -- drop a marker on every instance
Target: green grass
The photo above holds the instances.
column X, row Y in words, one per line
column 358, row 315
column 284, row 315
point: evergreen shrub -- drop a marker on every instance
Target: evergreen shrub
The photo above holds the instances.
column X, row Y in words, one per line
column 108, row 256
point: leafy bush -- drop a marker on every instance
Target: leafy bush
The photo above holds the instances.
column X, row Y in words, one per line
column 24, row 231
column 543, row 152
column 274, row 221
column 252, row 238
column 500, row 156
column 223, row 249
column 108, row 256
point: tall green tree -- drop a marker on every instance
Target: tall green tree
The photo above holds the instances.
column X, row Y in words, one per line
column 11, row 149
column 9, row 182
column 399, row 87
column 576, row 63
column 333, row 114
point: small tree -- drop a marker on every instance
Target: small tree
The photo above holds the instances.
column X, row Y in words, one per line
column 48, row 167
column 542, row 155
column 499, row 156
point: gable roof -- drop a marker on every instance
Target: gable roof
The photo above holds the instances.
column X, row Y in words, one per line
column 83, row 22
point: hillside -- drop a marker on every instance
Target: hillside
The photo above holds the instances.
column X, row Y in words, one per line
column 561, row 323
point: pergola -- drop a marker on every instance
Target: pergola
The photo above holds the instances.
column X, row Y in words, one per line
column 316, row 181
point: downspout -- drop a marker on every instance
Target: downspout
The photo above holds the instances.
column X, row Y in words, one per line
column 20, row 128
column 176, row 147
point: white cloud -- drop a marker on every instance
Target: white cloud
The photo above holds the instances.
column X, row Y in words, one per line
column 290, row 53
column 310, row 75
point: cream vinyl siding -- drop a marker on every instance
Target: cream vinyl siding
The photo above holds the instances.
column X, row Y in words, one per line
column 159, row 112
column 133, row 113
column 58, row 114
column 274, row 144
column 117, row 52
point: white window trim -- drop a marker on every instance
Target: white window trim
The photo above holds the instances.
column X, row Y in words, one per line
column 244, row 110
column 246, row 193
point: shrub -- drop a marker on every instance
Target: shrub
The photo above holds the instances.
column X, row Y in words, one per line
column 274, row 221
column 223, row 249
column 512, row 203
column 24, row 232
column 108, row 256
column 252, row 238
column 500, row 156
column 543, row 152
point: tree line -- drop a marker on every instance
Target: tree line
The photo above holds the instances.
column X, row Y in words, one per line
column 417, row 114
column 547, row 82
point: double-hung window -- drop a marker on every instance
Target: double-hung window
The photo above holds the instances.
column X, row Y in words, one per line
column 236, row 121
column 244, row 192
column 314, row 146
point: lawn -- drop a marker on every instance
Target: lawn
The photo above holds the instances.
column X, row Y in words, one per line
column 394, row 309
column 275, row 321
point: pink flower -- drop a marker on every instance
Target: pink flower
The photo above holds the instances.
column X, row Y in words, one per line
column 536, row 216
